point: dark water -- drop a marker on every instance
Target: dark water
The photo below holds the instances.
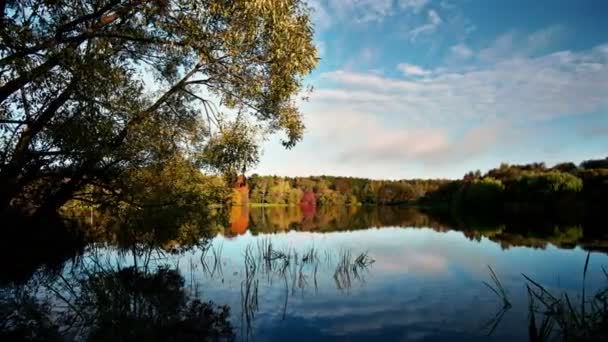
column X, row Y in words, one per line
column 276, row 274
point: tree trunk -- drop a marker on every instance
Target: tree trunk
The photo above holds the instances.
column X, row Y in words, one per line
column 11, row 173
column 2, row 8
column 58, row 199
column 12, row 86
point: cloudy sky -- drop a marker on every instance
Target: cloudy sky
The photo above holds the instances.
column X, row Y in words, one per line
column 435, row 88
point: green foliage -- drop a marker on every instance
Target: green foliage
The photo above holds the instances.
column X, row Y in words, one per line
column 162, row 204
column 259, row 188
column 294, row 196
column 232, row 151
column 520, row 187
column 396, row 192
column 542, row 185
column 483, row 192
column 338, row 190
column 74, row 110
column 525, row 188
column 566, row 167
column 331, row 197
column 279, row 192
column 368, row 193
column 595, row 186
column 595, row 164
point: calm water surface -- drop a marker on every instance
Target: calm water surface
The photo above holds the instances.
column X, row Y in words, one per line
column 345, row 274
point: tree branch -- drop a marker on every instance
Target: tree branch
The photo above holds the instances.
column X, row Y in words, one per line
column 147, row 40
column 59, row 38
column 204, row 101
column 15, row 84
column 49, row 153
column 141, row 116
column 15, row 122
column 20, row 155
column 201, row 81
column 87, row 17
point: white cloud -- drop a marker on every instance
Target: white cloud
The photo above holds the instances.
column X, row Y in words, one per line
column 381, row 143
column 434, row 17
column 362, row 10
column 352, row 95
column 553, row 85
column 447, row 5
column 414, row 70
column 514, row 44
column 454, row 115
column 434, row 20
column 320, row 17
column 328, row 12
column 365, row 57
column 461, row 51
column 321, row 48
column 503, row 46
column 415, row 5
column 362, row 139
column 545, row 37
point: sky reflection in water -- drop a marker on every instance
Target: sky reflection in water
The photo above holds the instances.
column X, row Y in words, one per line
column 424, row 284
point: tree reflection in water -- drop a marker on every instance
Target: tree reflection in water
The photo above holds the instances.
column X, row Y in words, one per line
column 98, row 300
column 536, row 232
column 125, row 284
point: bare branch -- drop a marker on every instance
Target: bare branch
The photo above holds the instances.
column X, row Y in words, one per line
column 201, row 81
column 207, row 110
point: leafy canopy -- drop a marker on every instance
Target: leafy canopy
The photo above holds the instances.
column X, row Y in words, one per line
column 92, row 88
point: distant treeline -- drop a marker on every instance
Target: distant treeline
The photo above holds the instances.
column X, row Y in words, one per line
column 329, row 190
column 508, row 186
column 528, row 188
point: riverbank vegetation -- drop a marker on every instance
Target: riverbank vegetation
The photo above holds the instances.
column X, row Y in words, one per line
column 508, row 187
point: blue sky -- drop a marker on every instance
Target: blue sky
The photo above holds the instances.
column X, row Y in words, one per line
column 435, row 88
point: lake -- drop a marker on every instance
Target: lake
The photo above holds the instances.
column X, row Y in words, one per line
column 348, row 273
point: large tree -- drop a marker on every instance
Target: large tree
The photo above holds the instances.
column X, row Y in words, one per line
column 91, row 88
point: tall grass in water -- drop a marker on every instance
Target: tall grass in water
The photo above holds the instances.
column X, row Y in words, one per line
column 558, row 316
column 310, row 256
column 215, row 251
column 586, row 320
column 297, row 269
column 249, row 291
column 349, row 268
column 500, row 291
column 536, row 331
